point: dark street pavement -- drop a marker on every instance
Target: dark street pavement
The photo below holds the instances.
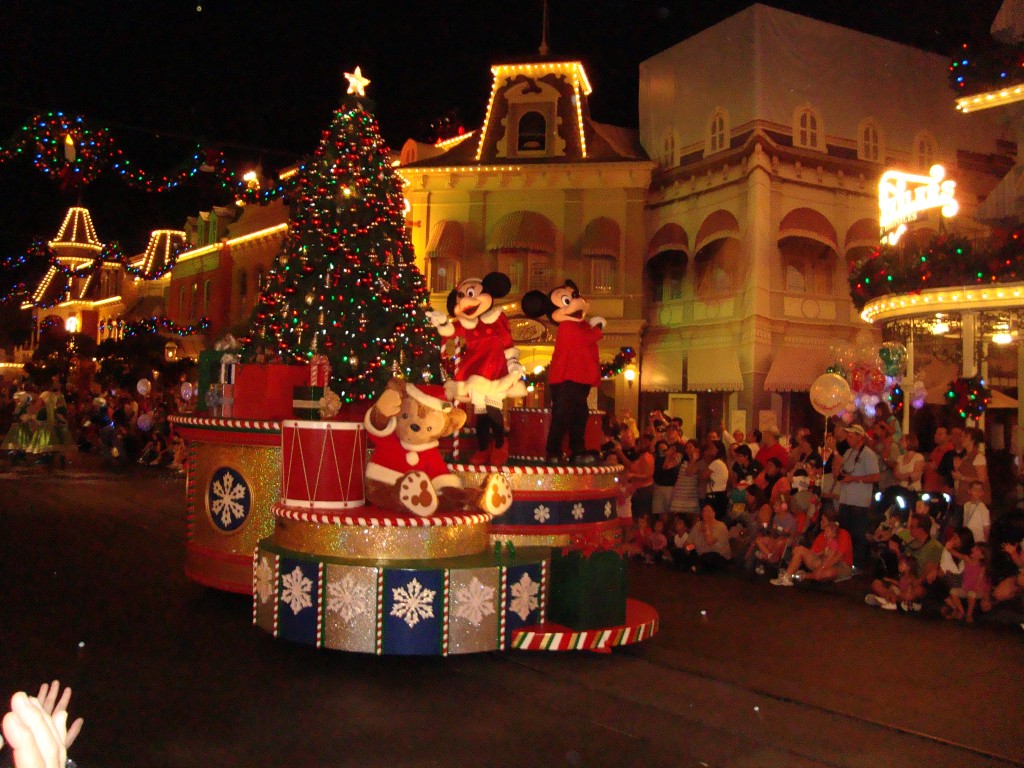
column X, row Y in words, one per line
column 168, row 673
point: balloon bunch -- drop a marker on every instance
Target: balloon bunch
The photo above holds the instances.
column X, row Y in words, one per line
column 871, row 374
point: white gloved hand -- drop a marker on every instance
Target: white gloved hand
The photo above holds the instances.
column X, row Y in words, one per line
column 597, row 322
column 437, row 319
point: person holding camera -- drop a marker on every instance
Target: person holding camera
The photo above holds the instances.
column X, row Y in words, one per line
column 856, row 476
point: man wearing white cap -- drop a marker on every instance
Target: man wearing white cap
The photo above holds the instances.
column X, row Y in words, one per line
column 856, row 478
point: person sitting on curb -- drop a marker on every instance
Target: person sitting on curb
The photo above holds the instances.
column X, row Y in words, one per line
column 829, row 558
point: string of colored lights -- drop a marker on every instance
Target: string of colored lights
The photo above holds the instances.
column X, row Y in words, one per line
column 942, row 263
column 975, row 69
column 73, row 152
column 156, row 324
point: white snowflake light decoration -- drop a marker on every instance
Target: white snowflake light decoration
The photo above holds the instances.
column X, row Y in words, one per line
column 577, row 511
column 474, row 602
column 348, row 599
column 413, row 603
column 297, row 591
column 228, row 494
column 264, row 580
column 524, row 596
column 542, row 514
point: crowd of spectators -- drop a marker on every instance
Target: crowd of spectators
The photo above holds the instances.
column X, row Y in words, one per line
column 119, row 425
column 861, row 504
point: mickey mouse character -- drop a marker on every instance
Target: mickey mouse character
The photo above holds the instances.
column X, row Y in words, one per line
column 575, row 365
column 490, row 370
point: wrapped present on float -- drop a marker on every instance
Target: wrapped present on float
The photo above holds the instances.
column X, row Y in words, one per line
column 265, row 390
column 319, row 371
column 306, row 402
column 588, row 586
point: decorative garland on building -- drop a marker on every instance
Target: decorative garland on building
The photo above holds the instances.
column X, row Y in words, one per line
column 995, row 65
column 73, row 152
column 969, row 397
column 944, row 262
column 162, row 325
column 614, row 367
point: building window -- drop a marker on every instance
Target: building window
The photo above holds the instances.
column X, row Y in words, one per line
column 528, row 270
column 718, row 131
column 666, row 271
column 669, row 150
column 602, row 274
column 807, row 266
column 258, row 282
column 716, row 268
column 532, row 135
column 924, row 151
column 243, row 285
column 193, row 307
column 807, row 132
column 207, row 287
column 869, row 146
column 182, row 308
column 444, row 275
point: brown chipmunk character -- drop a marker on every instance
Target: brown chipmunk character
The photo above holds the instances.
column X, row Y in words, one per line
column 407, row 472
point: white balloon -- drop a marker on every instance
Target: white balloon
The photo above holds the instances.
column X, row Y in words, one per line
column 829, row 394
column 144, row 386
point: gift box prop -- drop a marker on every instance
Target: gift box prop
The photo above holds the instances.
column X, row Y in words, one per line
column 266, row 390
column 588, row 588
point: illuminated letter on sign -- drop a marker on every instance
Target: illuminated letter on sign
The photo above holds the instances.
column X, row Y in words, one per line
column 902, row 196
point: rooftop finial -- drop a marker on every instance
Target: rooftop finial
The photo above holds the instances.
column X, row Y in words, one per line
column 544, row 32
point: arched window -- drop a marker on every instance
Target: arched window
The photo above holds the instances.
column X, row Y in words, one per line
column 444, row 274
column 260, row 280
column 533, row 129
column 182, row 308
column 243, row 285
column 666, row 271
column 207, row 288
column 668, row 157
column 925, row 153
column 869, row 144
column 718, row 131
column 194, row 303
column 807, row 129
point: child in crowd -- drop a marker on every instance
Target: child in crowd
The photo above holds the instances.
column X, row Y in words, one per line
column 975, row 587
column 637, row 542
column 905, row 589
column 976, row 514
column 655, row 547
column 679, row 545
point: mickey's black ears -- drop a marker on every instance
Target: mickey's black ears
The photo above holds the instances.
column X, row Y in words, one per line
column 451, row 301
column 497, row 284
column 536, row 303
column 570, row 284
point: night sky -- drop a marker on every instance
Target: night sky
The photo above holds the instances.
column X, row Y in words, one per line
column 261, row 79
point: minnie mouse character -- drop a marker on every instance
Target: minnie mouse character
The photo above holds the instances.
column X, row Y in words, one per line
column 490, row 369
column 575, row 365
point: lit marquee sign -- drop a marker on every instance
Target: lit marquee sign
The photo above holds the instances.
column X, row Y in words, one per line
column 902, row 196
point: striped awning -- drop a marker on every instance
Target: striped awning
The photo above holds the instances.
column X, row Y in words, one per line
column 601, row 238
column 670, row 237
column 715, row 370
column 716, row 226
column 794, row 368
column 522, row 231
column 447, row 240
column 809, row 224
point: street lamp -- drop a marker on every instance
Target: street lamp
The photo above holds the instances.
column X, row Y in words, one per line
column 629, row 373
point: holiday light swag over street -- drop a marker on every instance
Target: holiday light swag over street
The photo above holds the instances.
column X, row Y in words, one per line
column 345, row 284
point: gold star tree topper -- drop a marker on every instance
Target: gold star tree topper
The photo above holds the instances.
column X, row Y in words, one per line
column 356, row 82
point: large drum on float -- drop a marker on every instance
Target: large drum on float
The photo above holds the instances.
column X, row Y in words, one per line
column 322, row 464
column 528, row 433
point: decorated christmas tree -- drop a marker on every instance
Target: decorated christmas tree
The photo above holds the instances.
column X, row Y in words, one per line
column 345, row 284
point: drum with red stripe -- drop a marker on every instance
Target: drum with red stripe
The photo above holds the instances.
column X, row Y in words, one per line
column 322, row 464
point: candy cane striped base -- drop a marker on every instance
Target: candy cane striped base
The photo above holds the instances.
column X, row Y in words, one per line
column 641, row 624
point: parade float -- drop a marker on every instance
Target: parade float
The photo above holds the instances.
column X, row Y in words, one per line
column 319, row 460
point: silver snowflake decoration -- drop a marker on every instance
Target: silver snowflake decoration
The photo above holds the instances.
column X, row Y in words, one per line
column 524, row 596
column 474, row 602
column 542, row 514
column 265, row 582
column 227, row 494
column 349, row 599
column 577, row 511
column 413, row 603
column 297, row 591
column 607, row 509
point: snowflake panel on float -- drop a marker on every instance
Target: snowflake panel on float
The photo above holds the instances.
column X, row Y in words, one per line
column 473, row 624
column 300, row 596
column 525, row 597
column 413, row 612
column 350, row 622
